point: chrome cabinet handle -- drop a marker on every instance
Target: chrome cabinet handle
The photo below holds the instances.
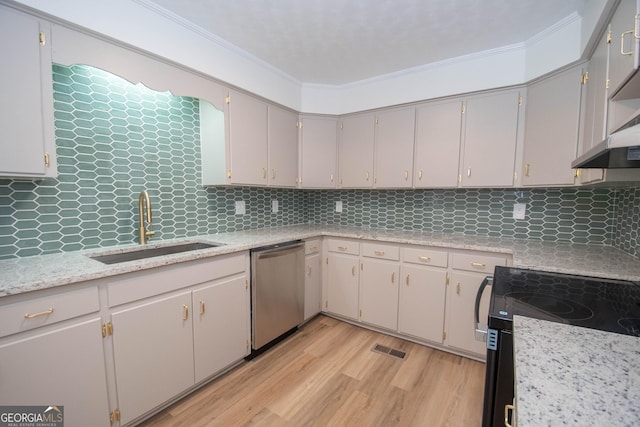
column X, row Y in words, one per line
column 342, row 248
column 331, row 177
column 42, row 313
column 407, row 280
column 201, row 307
column 185, row 312
column 353, row 271
column 458, row 288
column 526, row 169
column 393, row 277
column 420, row 174
column 273, row 174
column 366, row 176
column 264, row 173
column 424, row 258
column 406, row 175
column 468, row 172
column 478, row 265
column 379, row 253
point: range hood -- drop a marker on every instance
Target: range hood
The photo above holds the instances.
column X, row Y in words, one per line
column 619, row 150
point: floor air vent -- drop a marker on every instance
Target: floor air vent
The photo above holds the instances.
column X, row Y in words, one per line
column 399, row 354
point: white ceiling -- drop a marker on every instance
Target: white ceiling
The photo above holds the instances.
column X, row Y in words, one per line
column 341, row 41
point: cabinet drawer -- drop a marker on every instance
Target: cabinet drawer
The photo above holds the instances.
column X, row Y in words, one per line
column 344, row 246
column 135, row 286
column 46, row 310
column 426, row 256
column 482, row 263
column 311, row 246
column 381, row 250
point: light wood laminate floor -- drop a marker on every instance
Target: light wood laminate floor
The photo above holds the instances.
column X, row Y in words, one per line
column 327, row 375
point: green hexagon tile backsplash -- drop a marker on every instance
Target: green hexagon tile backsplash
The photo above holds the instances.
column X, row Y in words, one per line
column 115, row 139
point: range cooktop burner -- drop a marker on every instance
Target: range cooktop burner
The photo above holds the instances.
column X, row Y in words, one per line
column 563, row 308
column 631, row 324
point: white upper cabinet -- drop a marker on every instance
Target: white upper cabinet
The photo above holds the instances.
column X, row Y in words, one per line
column 624, row 45
column 282, row 147
column 437, row 151
column 356, row 152
column 551, row 129
column 394, row 148
column 247, row 140
column 26, row 108
column 318, row 152
column 490, row 139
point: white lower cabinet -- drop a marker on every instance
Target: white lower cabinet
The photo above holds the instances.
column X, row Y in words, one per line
column 63, row 366
column 468, row 271
column 421, row 292
column 220, row 325
column 422, row 302
column 153, row 353
column 379, row 293
column 165, row 344
column 343, row 275
column 312, row 279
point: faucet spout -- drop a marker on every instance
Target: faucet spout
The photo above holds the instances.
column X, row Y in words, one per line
column 145, row 217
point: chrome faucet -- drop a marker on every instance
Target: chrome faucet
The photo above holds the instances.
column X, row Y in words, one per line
column 144, row 230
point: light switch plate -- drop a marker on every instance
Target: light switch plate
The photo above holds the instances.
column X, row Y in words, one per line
column 274, row 206
column 241, row 208
column 519, row 210
column 338, row 206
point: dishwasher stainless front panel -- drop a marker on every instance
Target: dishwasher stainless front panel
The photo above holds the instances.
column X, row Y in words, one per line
column 277, row 291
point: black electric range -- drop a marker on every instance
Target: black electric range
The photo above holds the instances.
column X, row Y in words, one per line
column 603, row 304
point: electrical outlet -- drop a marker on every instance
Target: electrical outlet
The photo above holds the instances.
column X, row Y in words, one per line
column 519, row 210
column 241, row 208
column 274, row 206
column 338, row 206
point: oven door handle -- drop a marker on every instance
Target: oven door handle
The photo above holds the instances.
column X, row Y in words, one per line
column 481, row 328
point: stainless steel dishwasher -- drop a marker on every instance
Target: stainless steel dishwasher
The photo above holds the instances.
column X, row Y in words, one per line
column 277, row 291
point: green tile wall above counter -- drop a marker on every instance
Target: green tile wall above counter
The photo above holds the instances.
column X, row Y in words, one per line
column 115, row 139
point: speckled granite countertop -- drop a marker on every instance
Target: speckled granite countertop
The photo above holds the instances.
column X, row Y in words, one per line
column 574, row 376
column 19, row 275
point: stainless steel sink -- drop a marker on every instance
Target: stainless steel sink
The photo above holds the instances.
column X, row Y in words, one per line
column 137, row 254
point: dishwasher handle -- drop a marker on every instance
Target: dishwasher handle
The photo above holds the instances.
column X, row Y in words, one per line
column 481, row 328
column 277, row 250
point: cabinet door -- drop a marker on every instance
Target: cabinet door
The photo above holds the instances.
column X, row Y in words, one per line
column 623, row 44
column 490, row 136
column 437, row 154
column 379, row 293
column 422, row 302
column 395, row 132
column 551, row 129
column 220, row 326
column 356, row 154
column 153, row 353
column 313, row 286
column 460, row 324
column 62, row 367
column 342, row 285
column 595, row 106
column 248, row 139
column 282, row 147
column 318, row 146
column 26, row 105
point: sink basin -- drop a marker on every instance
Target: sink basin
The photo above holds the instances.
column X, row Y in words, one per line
column 137, row 254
